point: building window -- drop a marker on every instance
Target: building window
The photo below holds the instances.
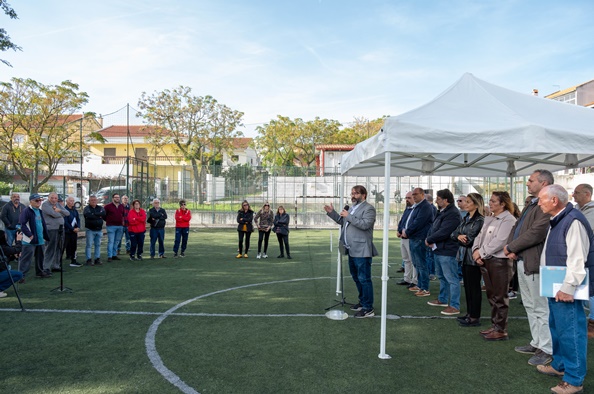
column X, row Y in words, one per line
column 141, row 153
column 235, row 158
column 567, row 98
column 111, row 152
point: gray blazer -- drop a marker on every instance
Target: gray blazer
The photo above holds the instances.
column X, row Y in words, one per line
column 359, row 232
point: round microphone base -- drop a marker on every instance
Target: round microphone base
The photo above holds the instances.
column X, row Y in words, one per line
column 336, row 314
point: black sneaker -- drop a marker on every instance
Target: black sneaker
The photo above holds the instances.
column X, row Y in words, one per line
column 364, row 313
column 98, row 262
column 139, row 257
column 175, row 255
column 357, row 307
column 115, row 258
column 132, row 258
column 75, row 264
column 90, row 262
column 182, row 254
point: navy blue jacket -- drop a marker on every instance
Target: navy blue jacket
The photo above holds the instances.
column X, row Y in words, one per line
column 556, row 244
column 27, row 222
column 420, row 221
column 68, row 220
column 445, row 223
column 403, row 219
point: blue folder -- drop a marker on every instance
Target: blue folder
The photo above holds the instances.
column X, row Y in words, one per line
column 551, row 279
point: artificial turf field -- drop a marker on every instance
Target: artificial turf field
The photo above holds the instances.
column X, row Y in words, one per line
column 211, row 323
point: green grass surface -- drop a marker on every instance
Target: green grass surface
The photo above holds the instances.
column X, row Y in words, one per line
column 231, row 339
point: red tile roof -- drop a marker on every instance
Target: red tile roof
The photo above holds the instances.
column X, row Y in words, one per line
column 122, row 131
column 241, row 143
column 336, row 147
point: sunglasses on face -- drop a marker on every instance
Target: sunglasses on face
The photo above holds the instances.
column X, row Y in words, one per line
column 38, row 200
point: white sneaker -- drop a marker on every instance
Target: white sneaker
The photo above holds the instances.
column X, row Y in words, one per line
column 264, row 256
column 258, row 256
column 3, row 294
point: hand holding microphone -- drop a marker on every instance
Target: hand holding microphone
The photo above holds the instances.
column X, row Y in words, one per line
column 345, row 211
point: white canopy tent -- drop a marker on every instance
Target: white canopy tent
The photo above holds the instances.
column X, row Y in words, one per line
column 473, row 128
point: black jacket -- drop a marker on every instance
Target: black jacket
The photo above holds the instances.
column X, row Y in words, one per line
column 157, row 219
column 446, row 221
column 246, row 218
column 94, row 217
column 471, row 227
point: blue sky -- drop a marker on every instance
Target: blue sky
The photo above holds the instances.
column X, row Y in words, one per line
column 336, row 59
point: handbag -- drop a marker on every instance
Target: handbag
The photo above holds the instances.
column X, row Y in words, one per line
column 244, row 228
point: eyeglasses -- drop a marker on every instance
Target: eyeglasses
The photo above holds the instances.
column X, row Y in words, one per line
column 38, row 200
column 459, row 200
column 183, row 203
column 354, row 193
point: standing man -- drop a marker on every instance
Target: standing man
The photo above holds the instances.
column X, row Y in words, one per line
column 569, row 244
column 54, row 214
column 582, row 194
column 114, row 222
column 71, row 227
column 416, row 229
column 525, row 244
column 430, row 256
column 34, row 237
column 356, row 241
column 445, row 249
column 10, row 217
column 410, row 273
column 94, row 216
column 157, row 217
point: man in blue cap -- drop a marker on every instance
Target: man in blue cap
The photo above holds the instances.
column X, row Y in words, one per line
column 34, row 237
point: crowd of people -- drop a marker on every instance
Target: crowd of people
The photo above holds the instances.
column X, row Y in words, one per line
column 498, row 246
column 467, row 244
column 45, row 233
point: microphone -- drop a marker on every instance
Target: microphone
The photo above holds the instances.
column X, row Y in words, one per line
column 346, row 207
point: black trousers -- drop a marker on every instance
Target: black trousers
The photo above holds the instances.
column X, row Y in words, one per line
column 263, row 236
column 70, row 240
column 283, row 239
column 247, row 241
column 472, row 289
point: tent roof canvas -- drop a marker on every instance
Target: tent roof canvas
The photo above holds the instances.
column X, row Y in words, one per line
column 475, row 128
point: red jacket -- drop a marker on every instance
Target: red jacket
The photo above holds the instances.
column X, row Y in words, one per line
column 137, row 221
column 182, row 218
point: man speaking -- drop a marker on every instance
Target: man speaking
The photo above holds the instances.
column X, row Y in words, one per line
column 356, row 241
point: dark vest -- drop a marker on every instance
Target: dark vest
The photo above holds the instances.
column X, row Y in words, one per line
column 556, row 248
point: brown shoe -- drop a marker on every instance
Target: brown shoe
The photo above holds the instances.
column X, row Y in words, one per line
column 566, row 388
column 496, row 336
column 590, row 328
column 548, row 370
column 450, row 310
column 437, row 303
column 414, row 288
column 422, row 293
column 487, row 331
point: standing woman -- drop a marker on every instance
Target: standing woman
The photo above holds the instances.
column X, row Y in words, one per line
column 245, row 217
column 183, row 216
column 136, row 230
column 264, row 220
column 281, row 228
column 487, row 252
column 465, row 234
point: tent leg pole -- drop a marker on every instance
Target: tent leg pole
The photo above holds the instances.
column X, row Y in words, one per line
column 385, row 277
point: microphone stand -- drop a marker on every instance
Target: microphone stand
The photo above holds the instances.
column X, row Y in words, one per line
column 61, row 289
column 342, row 302
column 16, row 291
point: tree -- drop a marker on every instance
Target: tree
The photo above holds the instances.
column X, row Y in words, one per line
column 286, row 142
column 36, row 129
column 200, row 128
column 5, row 42
column 358, row 130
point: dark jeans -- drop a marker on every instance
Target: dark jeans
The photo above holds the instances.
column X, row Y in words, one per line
column 418, row 251
column 181, row 234
column 283, row 243
column 360, row 268
column 247, row 241
column 497, row 274
column 157, row 234
column 472, row 290
column 70, row 239
column 263, row 236
column 136, row 244
column 5, row 281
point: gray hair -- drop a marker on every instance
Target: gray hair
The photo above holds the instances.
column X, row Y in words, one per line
column 559, row 192
column 156, row 200
column 545, row 176
column 586, row 187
